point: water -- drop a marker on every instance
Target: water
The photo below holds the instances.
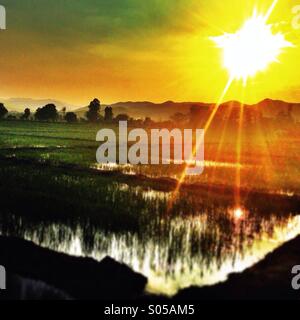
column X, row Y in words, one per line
column 173, row 252
column 199, row 242
column 170, row 171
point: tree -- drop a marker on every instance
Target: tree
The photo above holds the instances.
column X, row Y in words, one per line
column 94, row 110
column 108, row 114
column 26, row 114
column 284, row 118
column 198, row 115
column 122, row 117
column 63, row 113
column 71, row 117
column 148, row 122
column 47, row 113
column 179, row 118
column 3, row 111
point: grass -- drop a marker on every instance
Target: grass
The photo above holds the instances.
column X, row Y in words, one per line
column 46, row 172
column 270, row 162
column 49, row 191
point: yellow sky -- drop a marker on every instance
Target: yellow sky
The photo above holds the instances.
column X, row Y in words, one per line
column 158, row 52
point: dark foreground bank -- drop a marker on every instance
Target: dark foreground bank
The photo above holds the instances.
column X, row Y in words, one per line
column 38, row 273
column 270, row 278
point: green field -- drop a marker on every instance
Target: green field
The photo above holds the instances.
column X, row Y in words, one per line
column 268, row 161
column 54, row 194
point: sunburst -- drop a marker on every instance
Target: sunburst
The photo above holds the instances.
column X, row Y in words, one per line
column 252, row 48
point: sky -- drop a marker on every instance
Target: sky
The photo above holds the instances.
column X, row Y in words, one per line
column 136, row 50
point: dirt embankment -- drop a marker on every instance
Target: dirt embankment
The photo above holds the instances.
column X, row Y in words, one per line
column 48, row 274
column 270, row 278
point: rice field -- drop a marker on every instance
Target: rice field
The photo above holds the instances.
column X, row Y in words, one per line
column 55, row 194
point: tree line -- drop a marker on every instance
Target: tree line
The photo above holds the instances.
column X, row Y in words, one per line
column 49, row 112
column 196, row 117
column 94, row 114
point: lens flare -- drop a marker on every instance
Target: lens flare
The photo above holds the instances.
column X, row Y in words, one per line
column 252, row 48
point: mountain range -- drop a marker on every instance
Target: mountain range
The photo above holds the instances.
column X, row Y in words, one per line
column 157, row 111
column 162, row 111
column 19, row 104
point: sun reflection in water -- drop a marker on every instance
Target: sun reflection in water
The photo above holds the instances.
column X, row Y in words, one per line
column 168, row 270
column 238, row 213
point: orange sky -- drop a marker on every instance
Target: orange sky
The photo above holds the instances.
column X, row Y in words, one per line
column 132, row 50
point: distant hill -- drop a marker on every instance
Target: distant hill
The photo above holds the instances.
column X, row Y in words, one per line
column 162, row 111
column 19, row 104
column 157, row 111
column 271, row 108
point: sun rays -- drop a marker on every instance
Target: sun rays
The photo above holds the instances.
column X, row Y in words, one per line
column 250, row 50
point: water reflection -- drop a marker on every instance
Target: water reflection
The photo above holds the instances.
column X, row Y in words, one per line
column 173, row 252
column 171, row 171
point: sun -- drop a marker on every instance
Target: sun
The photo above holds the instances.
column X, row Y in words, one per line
column 252, row 48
